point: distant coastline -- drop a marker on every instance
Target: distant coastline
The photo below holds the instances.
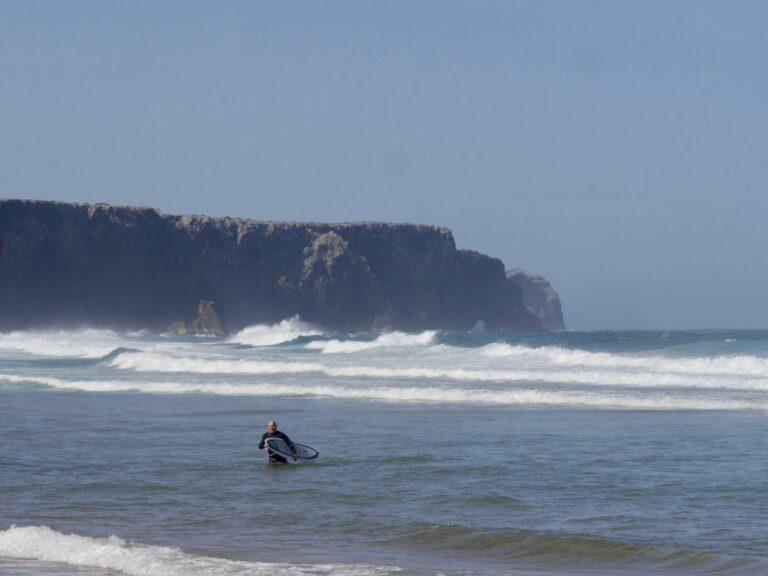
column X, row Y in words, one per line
column 67, row 265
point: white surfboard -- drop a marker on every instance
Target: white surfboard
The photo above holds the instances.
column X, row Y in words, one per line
column 280, row 446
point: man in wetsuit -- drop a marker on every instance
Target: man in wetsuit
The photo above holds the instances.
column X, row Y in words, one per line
column 273, row 432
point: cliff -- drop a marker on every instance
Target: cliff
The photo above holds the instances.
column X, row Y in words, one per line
column 540, row 298
column 129, row 268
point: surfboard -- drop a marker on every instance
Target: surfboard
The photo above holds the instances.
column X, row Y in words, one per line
column 280, row 446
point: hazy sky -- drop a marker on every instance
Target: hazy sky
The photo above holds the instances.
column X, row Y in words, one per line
column 618, row 148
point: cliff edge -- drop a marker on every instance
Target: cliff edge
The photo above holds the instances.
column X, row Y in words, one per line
column 66, row 265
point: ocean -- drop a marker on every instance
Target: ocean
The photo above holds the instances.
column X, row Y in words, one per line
column 449, row 453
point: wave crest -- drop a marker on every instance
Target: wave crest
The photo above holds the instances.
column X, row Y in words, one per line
column 166, row 363
column 112, row 553
column 743, row 365
column 407, row 394
column 87, row 343
column 386, row 340
column 270, row 335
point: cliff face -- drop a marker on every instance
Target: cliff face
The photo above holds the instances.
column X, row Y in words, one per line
column 129, row 268
column 540, row 298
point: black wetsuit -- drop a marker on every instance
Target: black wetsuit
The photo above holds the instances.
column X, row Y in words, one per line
column 275, row 458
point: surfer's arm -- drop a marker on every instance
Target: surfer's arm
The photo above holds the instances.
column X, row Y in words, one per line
column 262, row 444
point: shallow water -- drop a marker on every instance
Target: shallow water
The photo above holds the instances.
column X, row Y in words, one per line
column 452, row 453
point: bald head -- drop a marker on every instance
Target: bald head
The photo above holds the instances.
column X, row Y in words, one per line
column 272, row 425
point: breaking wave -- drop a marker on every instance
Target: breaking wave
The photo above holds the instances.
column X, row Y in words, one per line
column 41, row 543
column 160, row 362
column 89, row 343
column 393, row 366
column 386, row 340
column 271, row 335
column 408, row 394
column 164, row 363
column 557, row 356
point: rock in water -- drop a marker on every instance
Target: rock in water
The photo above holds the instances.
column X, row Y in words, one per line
column 207, row 322
column 540, row 298
column 69, row 265
column 178, row 327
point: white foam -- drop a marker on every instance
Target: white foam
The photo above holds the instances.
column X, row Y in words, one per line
column 162, row 362
column 89, row 343
column 270, row 335
column 584, row 377
column 413, row 394
column 557, row 356
column 165, row 363
column 112, row 553
column 386, row 340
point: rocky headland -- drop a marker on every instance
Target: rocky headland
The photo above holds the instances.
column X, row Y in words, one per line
column 71, row 265
column 539, row 298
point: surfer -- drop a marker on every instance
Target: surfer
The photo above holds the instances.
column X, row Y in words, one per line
column 273, row 432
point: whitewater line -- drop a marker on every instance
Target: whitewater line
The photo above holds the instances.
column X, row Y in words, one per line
column 112, row 553
column 559, row 356
column 419, row 395
column 161, row 363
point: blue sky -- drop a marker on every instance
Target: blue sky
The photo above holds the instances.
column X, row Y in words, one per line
column 618, row 148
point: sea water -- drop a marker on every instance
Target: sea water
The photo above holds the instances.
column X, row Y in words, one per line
column 440, row 453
